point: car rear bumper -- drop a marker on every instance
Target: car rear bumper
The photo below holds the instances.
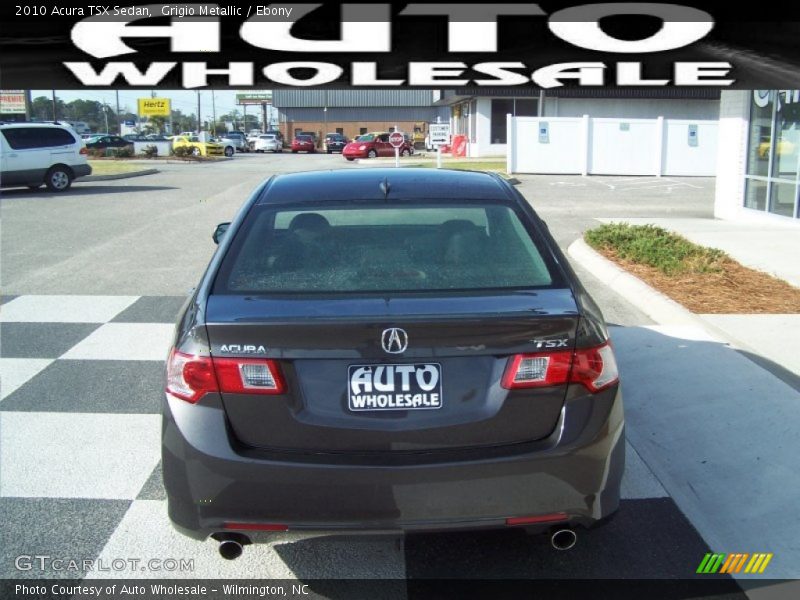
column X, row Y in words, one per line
column 577, row 470
column 81, row 170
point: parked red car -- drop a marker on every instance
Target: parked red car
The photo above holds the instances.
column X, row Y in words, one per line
column 303, row 143
column 371, row 145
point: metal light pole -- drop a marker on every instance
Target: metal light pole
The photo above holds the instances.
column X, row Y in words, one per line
column 119, row 122
column 55, row 113
column 105, row 113
column 199, row 127
column 213, row 115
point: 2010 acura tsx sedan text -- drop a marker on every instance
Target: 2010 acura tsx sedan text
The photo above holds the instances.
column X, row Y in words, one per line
column 389, row 349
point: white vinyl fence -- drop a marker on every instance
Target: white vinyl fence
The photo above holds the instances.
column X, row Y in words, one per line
column 595, row 146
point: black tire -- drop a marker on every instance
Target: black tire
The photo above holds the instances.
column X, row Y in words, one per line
column 372, row 154
column 405, row 152
column 58, row 179
column 330, row 151
column 351, row 159
column 229, row 151
column 294, row 151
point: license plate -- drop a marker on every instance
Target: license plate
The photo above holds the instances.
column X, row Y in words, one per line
column 394, row 387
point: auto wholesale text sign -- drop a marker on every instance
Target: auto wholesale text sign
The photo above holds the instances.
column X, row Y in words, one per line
column 518, row 44
column 154, row 107
column 12, row 102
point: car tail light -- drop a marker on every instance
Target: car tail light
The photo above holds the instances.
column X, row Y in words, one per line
column 84, row 151
column 594, row 368
column 191, row 377
column 248, row 376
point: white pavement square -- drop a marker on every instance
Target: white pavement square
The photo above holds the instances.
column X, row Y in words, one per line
column 15, row 372
column 145, row 533
column 64, row 309
column 125, row 341
column 63, row 455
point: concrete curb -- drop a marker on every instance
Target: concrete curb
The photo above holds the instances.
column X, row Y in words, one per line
column 117, row 176
column 651, row 302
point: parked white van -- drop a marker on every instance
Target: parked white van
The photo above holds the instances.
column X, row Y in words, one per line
column 32, row 154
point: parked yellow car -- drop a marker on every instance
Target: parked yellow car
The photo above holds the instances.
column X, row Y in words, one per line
column 198, row 148
column 784, row 147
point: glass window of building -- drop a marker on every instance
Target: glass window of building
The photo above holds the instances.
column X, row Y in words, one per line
column 773, row 156
column 519, row 107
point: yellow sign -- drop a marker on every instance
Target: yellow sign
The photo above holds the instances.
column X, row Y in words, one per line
column 154, row 107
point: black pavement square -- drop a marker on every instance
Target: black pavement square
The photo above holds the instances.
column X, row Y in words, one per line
column 41, row 340
column 153, row 488
column 92, row 386
column 647, row 539
column 152, row 309
column 54, row 527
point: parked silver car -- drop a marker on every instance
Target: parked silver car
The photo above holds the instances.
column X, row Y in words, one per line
column 267, row 142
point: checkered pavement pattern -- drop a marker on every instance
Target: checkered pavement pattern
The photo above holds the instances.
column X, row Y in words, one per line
column 81, row 383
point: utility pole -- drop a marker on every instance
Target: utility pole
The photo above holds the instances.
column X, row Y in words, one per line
column 119, row 122
column 198, row 112
column 55, row 113
column 213, row 114
column 105, row 113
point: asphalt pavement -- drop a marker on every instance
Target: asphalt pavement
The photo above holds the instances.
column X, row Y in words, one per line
column 79, row 417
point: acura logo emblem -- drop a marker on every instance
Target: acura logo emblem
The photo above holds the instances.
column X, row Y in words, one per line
column 394, row 340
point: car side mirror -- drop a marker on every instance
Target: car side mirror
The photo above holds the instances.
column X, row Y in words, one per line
column 219, row 232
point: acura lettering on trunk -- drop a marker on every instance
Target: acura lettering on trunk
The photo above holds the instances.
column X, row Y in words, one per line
column 403, row 349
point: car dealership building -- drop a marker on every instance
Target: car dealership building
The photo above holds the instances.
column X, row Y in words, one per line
column 759, row 143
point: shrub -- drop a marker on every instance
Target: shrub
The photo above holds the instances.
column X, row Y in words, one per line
column 150, row 151
column 124, row 152
column 182, row 151
column 656, row 247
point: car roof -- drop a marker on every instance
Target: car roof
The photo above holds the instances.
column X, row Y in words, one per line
column 35, row 124
column 365, row 184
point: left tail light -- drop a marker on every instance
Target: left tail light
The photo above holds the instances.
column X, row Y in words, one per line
column 595, row 368
column 84, row 151
column 190, row 377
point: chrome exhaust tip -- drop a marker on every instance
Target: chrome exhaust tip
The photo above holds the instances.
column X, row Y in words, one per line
column 230, row 549
column 563, row 539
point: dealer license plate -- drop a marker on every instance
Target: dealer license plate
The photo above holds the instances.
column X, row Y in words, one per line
column 394, row 387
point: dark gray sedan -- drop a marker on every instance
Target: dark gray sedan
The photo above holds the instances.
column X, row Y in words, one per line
column 389, row 349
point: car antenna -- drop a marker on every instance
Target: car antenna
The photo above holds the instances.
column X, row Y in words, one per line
column 385, row 187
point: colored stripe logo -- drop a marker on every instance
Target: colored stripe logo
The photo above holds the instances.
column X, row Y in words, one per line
column 734, row 563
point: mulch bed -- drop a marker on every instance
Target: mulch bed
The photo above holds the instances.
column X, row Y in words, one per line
column 735, row 289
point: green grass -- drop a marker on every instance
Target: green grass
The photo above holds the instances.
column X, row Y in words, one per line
column 114, row 167
column 656, row 247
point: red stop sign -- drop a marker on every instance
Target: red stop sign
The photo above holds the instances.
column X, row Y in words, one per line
column 396, row 139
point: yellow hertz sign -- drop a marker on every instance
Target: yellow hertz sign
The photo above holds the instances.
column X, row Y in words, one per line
column 733, row 563
column 154, row 107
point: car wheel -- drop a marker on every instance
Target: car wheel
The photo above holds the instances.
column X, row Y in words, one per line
column 229, row 151
column 330, row 151
column 405, row 152
column 294, row 151
column 350, row 158
column 196, row 152
column 372, row 154
column 58, row 179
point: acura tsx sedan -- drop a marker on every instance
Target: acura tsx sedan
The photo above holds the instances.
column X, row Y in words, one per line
column 389, row 349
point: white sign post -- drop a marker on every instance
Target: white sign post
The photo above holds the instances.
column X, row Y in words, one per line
column 397, row 139
column 439, row 134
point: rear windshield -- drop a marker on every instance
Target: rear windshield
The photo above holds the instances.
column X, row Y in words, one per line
column 381, row 249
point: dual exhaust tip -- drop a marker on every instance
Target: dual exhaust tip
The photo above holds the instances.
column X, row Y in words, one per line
column 231, row 546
